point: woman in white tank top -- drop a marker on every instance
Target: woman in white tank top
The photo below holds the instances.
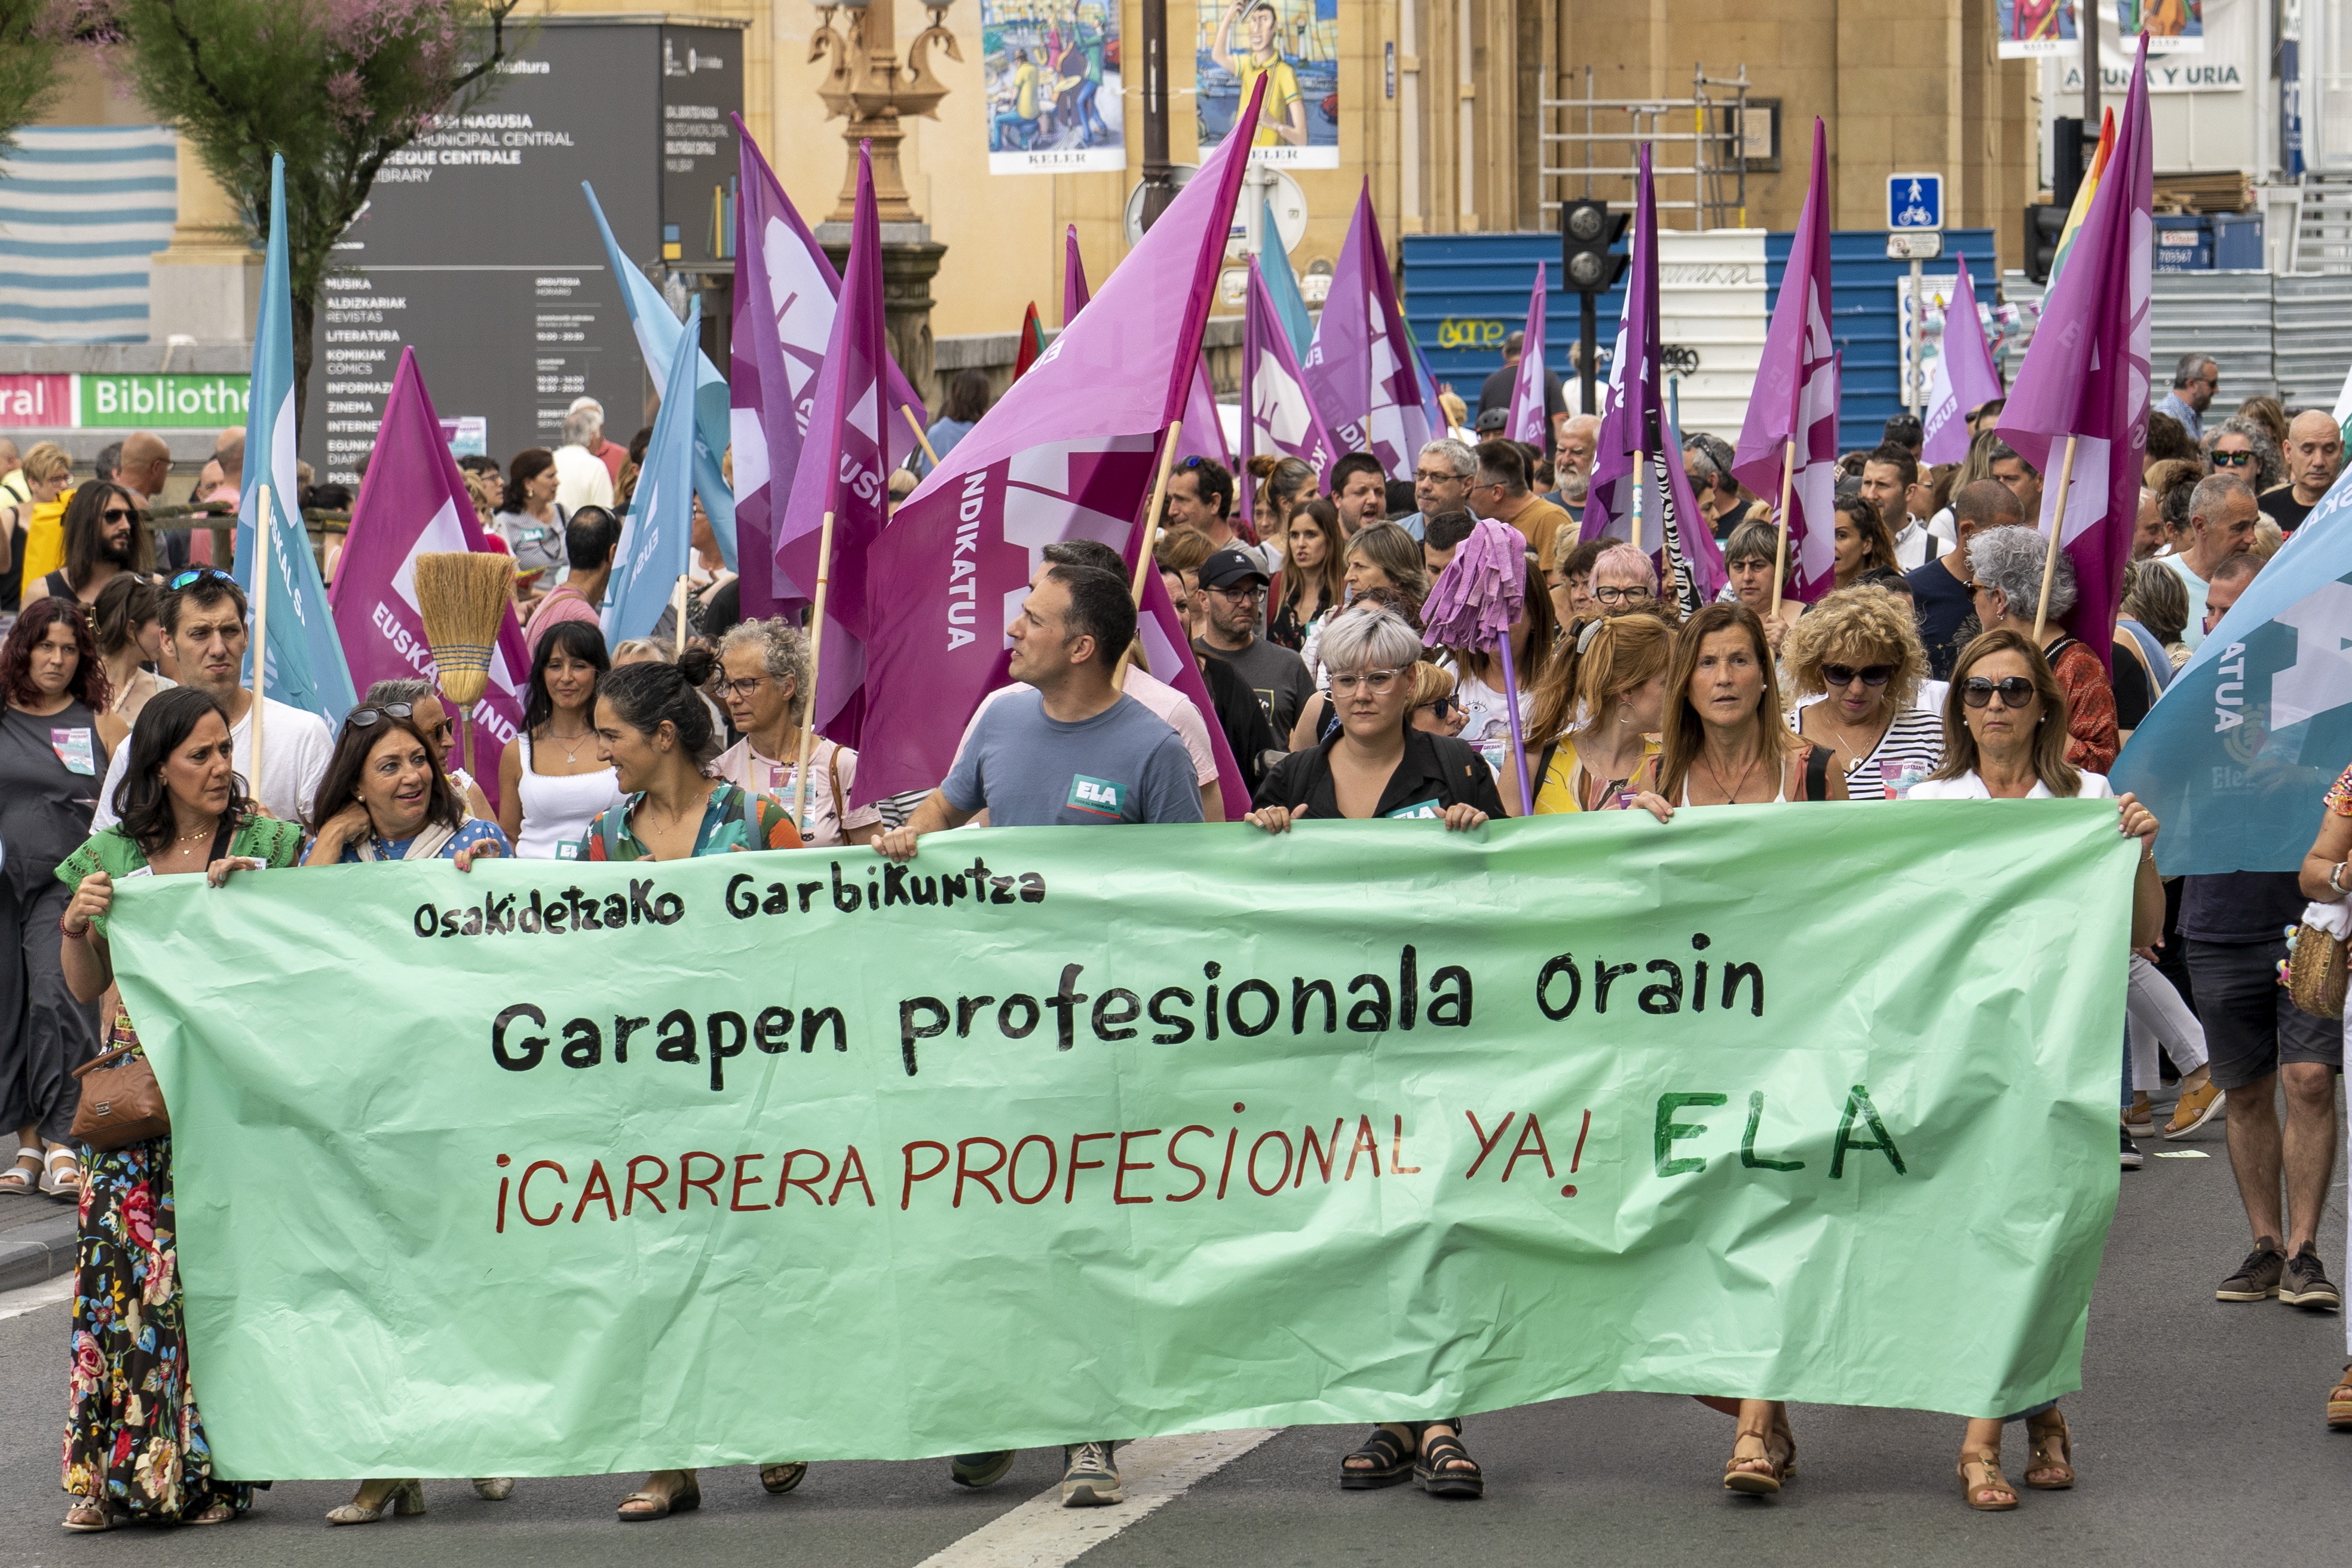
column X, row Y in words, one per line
column 550, row 784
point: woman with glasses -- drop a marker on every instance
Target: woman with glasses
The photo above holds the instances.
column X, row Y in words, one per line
column 1597, row 713
column 551, row 782
column 1435, row 710
column 1379, row 763
column 1313, row 576
column 763, row 674
column 1624, row 578
column 1856, row 665
column 2005, row 565
column 134, row 1445
column 44, row 474
column 2242, row 446
column 2005, row 738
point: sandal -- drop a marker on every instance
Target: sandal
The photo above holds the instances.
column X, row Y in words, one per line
column 62, row 1176
column 90, row 1515
column 23, row 1178
column 493, row 1489
column 781, row 1478
column 1445, row 1468
column 688, row 1496
column 1386, row 1457
column 218, row 1514
column 1739, row 1472
column 2053, row 1452
column 2339, row 1402
column 402, row 1498
column 1979, row 1473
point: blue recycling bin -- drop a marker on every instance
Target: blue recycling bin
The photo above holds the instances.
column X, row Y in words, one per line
column 2237, row 241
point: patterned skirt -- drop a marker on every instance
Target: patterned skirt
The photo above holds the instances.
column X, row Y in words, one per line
column 132, row 1434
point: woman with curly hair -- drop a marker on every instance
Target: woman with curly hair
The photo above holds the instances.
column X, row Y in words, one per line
column 1856, row 665
column 2243, row 447
column 56, row 739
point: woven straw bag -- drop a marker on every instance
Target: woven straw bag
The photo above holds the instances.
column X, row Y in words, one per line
column 2315, row 971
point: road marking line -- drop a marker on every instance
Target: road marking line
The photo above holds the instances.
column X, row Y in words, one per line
column 32, row 1298
column 1153, row 1471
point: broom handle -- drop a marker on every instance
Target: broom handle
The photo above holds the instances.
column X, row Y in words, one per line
column 816, row 652
column 262, row 530
column 1150, row 542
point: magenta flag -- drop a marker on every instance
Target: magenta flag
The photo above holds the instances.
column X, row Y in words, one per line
column 855, row 439
column 1526, row 422
column 785, row 302
column 1361, row 363
column 1965, row 377
column 1796, row 396
column 2086, row 379
column 1637, row 455
column 1068, row 453
column 1203, row 435
column 1074, row 277
column 413, row 502
column 1278, row 413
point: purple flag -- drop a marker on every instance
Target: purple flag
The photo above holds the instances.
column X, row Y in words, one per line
column 413, row 501
column 1278, row 413
column 1635, row 424
column 1796, row 397
column 1203, row 435
column 854, row 443
column 785, row 291
column 1069, row 452
column 1362, row 365
column 1074, row 277
column 2085, row 382
column 1964, row 379
column 1526, row 422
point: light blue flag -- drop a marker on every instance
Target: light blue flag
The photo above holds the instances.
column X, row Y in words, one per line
column 304, row 666
column 658, row 335
column 656, row 537
column 1282, row 287
column 2234, row 757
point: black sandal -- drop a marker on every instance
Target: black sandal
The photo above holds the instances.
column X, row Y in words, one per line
column 1445, row 1468
column 1391, row 1461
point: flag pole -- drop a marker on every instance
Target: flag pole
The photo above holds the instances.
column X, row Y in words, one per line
column 1150, row 537
column 919, row 436
column 1640, row 478
column 816, row 652
column 262, row 530
column 1781, row 548
column 2057, row 531
column 677, row 603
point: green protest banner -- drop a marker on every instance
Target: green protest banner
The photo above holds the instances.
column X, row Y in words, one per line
column 560, row 1168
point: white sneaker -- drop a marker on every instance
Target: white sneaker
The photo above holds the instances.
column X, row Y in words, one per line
column 1089, row 1476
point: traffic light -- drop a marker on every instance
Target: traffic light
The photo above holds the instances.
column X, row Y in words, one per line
column 1588, row 231
column 2043, row 228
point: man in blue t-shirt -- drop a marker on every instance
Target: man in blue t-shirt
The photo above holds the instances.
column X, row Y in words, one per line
column 1075, row 750
column 1939, row 589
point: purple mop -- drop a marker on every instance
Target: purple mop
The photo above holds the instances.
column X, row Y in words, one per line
column 1482, row 591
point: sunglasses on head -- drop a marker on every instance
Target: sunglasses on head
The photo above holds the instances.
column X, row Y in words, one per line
column 195, row 574
column 1847, row 674
column 2015, row 690
column 2233, row 459
column 368, row 718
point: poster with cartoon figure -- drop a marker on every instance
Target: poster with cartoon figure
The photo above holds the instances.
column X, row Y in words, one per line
column 2173, row 27
column 2035, row 27
column 1295, row 45
column 1052, row 70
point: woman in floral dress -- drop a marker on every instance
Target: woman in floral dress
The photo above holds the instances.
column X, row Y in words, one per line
column 134, row 1445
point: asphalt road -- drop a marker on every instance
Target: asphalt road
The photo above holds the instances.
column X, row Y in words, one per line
column 2199, row 1438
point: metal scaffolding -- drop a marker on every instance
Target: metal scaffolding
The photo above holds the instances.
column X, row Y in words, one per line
column 1714, row 117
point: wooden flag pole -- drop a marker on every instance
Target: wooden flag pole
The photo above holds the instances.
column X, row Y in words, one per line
column 1150, row 538
column 2057, row 531
column 1781, row 548
column 919, row 436
column 262, row 530
column 1641, row 483
column 816, row 652
column 678, row 605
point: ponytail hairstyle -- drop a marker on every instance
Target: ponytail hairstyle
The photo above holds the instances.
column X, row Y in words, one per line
column 1603, row 658
column 645, row 696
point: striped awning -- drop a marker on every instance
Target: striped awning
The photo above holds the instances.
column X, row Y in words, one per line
column 82, row 208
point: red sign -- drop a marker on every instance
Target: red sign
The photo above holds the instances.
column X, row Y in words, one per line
column 35, row 401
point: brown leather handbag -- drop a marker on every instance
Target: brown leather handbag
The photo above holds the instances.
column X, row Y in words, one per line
column 121, row 1102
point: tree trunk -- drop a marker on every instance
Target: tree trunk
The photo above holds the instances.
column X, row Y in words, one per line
column 304, row 312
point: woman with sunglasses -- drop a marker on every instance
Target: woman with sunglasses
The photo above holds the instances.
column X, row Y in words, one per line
column 2242, row 446
column 386, row 796
column 551, row 782
column 2005, row 738
column 1597, row 712
column 1435, row 710
column 1380, row 764
column 135, row 1447
column 2006, row 568
column 432, row 715
column 1856, row 665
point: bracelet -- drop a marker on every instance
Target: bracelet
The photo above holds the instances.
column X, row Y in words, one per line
column 69, row 930
column 2336, row 877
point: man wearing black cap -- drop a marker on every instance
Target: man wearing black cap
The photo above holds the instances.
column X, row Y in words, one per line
column 1232, row 587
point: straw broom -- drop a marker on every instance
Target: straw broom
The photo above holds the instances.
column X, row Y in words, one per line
column 463, row 597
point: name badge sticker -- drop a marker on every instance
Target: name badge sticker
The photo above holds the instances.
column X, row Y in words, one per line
column 1096, row 798
column 1424, row 808
column 74, row 749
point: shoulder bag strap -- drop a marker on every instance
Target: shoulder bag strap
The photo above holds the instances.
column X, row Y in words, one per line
column 1817, row 773
column 833, row 771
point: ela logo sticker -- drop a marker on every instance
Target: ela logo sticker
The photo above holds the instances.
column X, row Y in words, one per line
column 1096, row 798
column 1421, row 809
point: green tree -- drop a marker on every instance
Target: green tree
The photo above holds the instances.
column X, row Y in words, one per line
column 34, row 35
column 337, row 86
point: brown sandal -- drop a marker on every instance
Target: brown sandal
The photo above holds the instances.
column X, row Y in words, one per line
column 2339, row 1402
column 1737, row 1477
column 2053, row 1452
column 1979, row 1472
column 688, row 1496
column 90, row 1515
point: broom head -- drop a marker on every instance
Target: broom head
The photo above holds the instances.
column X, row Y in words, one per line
column 464, row 596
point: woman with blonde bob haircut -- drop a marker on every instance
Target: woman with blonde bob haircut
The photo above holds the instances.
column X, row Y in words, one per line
column 1597, row 710
column 1858, row 658
column 2005, row 738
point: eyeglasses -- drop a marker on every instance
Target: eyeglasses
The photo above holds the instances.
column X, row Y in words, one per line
column 116, row 514
column 2233, row 459
column 2015, row 690
column 1378, row 682
column 1868, row 674
column 1619, row 595
column 195, row 574
column 1247, row 593
column 1976, row 587
column 1440, row 478
column 744, row 688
